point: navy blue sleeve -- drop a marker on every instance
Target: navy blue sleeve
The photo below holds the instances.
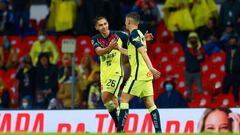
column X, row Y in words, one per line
column 94, row 42
column 124, row 37
column 135, row 39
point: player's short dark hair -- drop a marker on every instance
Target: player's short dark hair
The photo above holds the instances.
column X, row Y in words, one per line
column 98, row 18
column 135, row 16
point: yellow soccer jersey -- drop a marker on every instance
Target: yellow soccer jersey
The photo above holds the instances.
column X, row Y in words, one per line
column 111, row 63
column 139, row 69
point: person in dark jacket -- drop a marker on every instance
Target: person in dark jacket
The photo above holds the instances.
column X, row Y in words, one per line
column 194, row 56
column 232, row 67
column 26, row 77
column 47, row 77
column 170, row 98
column 5, row 99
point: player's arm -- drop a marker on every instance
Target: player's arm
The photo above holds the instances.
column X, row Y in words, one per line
column 123, row 50
column 101, row 51
column 148, row 62
column 124, row 37
column 136, row 41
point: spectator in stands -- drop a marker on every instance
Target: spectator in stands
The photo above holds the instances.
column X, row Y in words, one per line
column 26, row 103
column 150, row 15
column 21, row 10
column 3, row 8
column 200, row 18
column 57, row 18
column 92, row 79
column 229, row 12
column 26, row 77
column 227, row 33
column 210, row 35
column 219, row 120
column 8, row 54
column 194, row 56
column 4, row 96
column 86, row 66
column 44, row 45
column 94, row 96
column 65, row 82
column 46, row 77
column 170, row 98
column 40, row 102
column 232, row 67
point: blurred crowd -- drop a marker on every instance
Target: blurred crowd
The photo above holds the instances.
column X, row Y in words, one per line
column 38, row 75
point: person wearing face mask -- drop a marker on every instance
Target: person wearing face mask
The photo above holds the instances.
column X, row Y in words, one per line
column 8, row 54
column 194, row 56
column 170, row 98
column 44, row 45
column 26, row 103
column 232, row 67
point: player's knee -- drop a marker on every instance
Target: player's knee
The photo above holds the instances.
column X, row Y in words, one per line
column 106, row 97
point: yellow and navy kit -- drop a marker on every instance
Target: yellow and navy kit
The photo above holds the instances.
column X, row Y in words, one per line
column 139, row 69
column 110, row 63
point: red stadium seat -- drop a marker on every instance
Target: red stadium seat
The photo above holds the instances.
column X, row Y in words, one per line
column 9, row 78
column 225, row 101
column 34, row 24
column 53, row 39
column 200, row 100
column 1, row 40
column 28, row 42
column 84, row 46
column 15, row 40
column 163, row 35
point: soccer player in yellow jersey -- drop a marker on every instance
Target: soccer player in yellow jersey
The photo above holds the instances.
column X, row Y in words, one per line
column 111, row 70
column 142, row 72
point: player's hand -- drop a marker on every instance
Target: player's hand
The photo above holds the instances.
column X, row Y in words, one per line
column 236, row 122
column 113, row 44
column 156, row 73
column 148, row 36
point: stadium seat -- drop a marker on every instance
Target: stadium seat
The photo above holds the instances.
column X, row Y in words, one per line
column 28, row 42
column 15, row 40
column 41, row 24
column 84, row 45
column 163, row 35
column 34, row 24
column 1, row 40
column 175, row 49
column 9, row 78
column 225, row 100
column 201, row 100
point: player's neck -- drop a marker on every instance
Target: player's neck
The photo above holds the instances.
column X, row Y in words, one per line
column 133, row 28
column 106, row 34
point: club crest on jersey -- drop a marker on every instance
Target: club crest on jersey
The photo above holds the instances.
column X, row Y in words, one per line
column 137, row 39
